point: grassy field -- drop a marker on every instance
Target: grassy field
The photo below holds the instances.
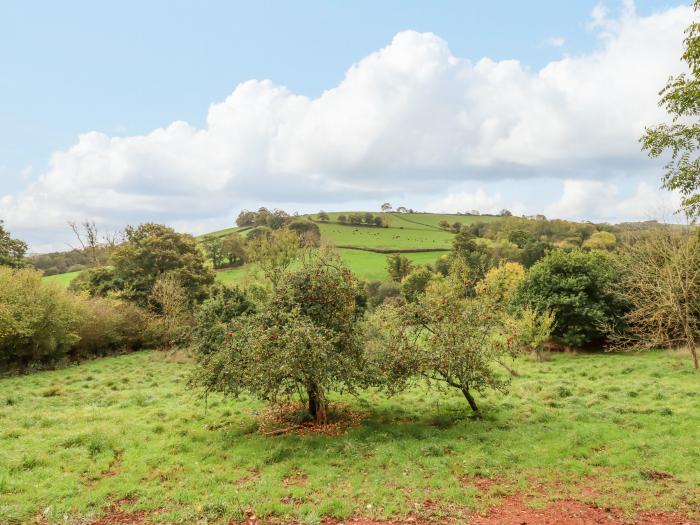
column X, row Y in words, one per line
column 125, row 432
column 64, row 279
column 366, row 265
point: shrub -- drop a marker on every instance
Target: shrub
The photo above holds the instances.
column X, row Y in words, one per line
column 213, row 317
column 576, row 287
column 414, row 284
column 308, row 232
column 398, row 266
column 379, row 291
column 39, row 322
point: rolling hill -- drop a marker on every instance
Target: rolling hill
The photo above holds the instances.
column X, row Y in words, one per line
column 363, row 248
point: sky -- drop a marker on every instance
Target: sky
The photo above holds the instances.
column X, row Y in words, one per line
column 186, row 112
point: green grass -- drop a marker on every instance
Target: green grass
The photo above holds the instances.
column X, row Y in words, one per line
column 75, row 441
column 366, row 265
column 63, row 279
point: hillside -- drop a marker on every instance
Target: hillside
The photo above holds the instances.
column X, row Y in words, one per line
column 363, row 248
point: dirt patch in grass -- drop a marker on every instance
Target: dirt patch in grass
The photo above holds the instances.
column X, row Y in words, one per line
column 292, row 418
column 515, row 511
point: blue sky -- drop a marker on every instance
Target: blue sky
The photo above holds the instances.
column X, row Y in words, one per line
column 126, row 68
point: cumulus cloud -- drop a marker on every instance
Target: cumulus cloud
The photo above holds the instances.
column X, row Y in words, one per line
column 465, row 201
column 407, row 118
column 604, row 201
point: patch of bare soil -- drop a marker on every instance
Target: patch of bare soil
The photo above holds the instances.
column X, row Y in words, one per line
column 515, row 511
column 290, row 418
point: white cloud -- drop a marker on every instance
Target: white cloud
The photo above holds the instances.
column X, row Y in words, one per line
column 465, row 201
column 604, row 201
column 404, row 120
column 556, row 41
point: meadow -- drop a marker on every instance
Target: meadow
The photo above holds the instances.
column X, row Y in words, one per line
column 125, row 432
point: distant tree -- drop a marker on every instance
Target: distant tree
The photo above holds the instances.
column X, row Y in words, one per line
column 601, row 241
column 380, row 291
column 519, row 237
column 505, row 213
column 386, row 207
column 323, row 216
column 456, row 227
column 401, row 209
column 277, row 219
column 12, row 251
column 660, row 280
column 368, row 218
column 444, row 224
column 306, row 341
column 442, row 265
column 474, row 254
column 500, row 284
column 258, row 232
column 342, row 219
column 308, row 232
column 398, row 266
column 246, row 218
column 274, row 253
column 151, row 250
column 577, row 287
column 87, row 235
column 233, row 249
column 378, row 221
column 414, row 284
column 681, row 138
column 532, row 252
column 356, row 219
column 214, row 248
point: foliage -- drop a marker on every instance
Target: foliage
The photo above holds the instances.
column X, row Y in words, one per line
column 306, row 340
column 214, row 248
column 274, row 219
column 274, row 253
column 213, row 317
column 38, row 321
column 681, row 138
column 601, row 241
column 576, row 287
column 448, row 338
column 323, row 216
column 474, row 254
column 660, row 280
column 379, row 291
column 107, row 326
column 171, row 303
column 308, row 232
column 500, row 284
column 398, row 266
column 415, row 283
column 96, row 282
column 233, row 249
column 151, row 250
column 12, row 251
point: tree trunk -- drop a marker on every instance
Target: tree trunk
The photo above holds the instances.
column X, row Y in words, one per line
column 470, row 399
column 317, row 404
column 694, row 353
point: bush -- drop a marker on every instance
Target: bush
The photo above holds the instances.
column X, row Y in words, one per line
column 39, row 322
column 379, row 291
column 43, row 324
column 109, row 326
column 213, row 317
column 576, row 287
column 413, row 285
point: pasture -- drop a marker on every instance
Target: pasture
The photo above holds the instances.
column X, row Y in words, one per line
column 125, row 434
